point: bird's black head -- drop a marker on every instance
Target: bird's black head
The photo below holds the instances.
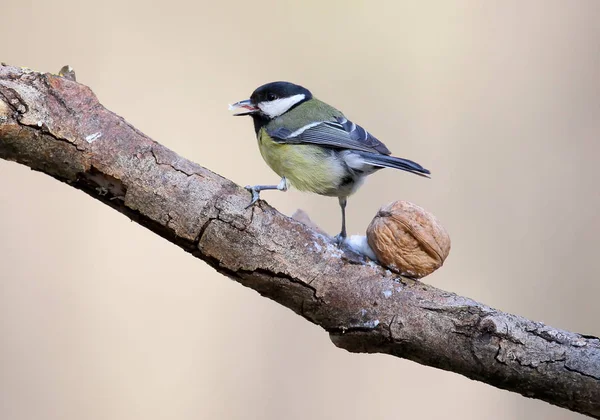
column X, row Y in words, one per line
column 278, row 92
column 273, row 99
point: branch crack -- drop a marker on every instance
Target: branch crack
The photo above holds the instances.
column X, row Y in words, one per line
column 579, row 371
column 170, row 165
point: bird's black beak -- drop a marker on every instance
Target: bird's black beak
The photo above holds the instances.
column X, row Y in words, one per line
column 245, row 104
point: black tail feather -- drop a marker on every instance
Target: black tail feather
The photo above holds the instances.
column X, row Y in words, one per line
column 385, row 161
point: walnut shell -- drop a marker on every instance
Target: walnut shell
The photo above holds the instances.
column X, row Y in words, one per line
column 407, row 239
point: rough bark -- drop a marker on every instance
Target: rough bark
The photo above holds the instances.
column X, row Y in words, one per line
column 57, row 126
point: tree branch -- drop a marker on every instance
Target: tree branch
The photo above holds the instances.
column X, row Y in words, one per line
column 57, row 126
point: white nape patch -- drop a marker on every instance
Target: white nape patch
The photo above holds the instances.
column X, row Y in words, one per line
column 93, row 137
column 303, row 129
column 359, row 244
column 279, row 106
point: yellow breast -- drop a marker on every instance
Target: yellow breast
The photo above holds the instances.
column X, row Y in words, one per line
column 306, row 167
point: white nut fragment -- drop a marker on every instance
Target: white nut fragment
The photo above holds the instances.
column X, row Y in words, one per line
column 407, row 239
column 360, row 245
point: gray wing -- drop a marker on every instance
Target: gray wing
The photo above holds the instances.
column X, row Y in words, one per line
column 341, row 134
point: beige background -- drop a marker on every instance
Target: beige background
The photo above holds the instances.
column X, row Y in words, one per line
column 100, row 319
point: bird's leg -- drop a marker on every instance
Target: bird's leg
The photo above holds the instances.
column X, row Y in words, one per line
column 256, row 189
column 342, row 235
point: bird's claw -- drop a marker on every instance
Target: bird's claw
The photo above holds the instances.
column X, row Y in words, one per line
column 255, row 195
column 339, row 239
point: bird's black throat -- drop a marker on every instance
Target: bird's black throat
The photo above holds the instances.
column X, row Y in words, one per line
column 259, row 121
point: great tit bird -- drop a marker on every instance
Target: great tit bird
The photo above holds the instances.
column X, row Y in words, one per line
column 312, row 146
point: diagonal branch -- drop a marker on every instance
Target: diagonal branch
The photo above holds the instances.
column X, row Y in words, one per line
column 57, row 126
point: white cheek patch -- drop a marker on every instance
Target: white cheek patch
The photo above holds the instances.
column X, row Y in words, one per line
column 279, row 106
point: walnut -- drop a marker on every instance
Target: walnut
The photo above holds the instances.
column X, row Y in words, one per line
column 407, row 239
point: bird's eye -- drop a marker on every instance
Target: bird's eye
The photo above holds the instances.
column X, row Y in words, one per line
column 271, row 97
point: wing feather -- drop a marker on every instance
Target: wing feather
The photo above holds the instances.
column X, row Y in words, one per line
column 340, row 134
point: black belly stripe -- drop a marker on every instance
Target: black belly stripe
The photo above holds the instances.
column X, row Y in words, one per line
column 347, row 180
